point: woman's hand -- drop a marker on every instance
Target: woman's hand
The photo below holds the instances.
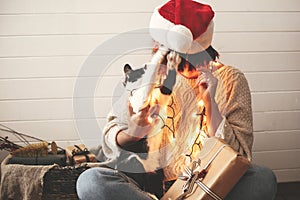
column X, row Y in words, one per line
column 207, row 83
column 140, row 125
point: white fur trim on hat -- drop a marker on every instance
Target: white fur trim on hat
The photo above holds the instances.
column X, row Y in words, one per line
column 178, row 37
column 159, row 27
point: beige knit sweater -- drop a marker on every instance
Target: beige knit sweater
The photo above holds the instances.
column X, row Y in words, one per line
column 165, row 151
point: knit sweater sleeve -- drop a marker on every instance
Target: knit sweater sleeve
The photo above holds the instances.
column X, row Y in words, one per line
column 237, row 110
column 116, row 122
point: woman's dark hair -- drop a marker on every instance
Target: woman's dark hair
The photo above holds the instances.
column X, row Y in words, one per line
column 197, row 59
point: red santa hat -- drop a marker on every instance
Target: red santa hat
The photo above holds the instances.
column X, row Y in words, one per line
column 184, row 26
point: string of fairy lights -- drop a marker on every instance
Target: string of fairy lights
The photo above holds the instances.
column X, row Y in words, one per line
column 198, row 142
column 172, row 128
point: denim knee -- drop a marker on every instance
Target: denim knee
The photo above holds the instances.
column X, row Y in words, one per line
column 258, row 183
column 105, row 183
column 90, row 182
column 268, row 177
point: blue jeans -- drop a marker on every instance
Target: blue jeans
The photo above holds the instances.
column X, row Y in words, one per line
column 258, row 183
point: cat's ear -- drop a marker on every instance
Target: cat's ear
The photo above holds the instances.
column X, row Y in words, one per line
column 127, row 68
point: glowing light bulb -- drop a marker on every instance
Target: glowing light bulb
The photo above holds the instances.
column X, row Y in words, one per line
column 201, row 103
column 195, row 115
column 172, row 139
column 150, row 119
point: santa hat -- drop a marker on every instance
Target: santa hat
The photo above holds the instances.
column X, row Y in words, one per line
column 184, row 26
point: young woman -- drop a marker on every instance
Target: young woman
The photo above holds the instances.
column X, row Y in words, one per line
column 137, row 163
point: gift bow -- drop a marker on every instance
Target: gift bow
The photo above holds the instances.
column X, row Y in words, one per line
column 194, row 175
column 79, row 151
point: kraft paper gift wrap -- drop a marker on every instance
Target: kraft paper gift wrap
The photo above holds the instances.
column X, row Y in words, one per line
column 219, row 168
column 79, row 154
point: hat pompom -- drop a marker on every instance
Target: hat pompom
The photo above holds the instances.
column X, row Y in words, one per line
column 180, row 38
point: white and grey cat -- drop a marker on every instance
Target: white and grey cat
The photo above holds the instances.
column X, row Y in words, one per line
column 153, row 82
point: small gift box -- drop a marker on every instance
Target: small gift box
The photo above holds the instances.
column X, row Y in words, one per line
column 212, row 176
column 79, row 154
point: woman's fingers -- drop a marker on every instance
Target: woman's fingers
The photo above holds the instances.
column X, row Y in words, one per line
column 207, row 84
column 215, row 65
column 203, row 84
column 145, row 116
column 130, row 109
column 154, row 111
column 204, row 79
column 144, row 112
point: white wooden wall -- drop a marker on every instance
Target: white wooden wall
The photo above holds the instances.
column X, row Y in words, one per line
column 43, row 44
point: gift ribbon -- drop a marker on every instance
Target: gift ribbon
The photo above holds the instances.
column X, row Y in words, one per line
column 193, row 176
column 80, row 151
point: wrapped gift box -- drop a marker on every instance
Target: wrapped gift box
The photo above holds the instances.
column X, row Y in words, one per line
column 219, row 168
column 79, row 154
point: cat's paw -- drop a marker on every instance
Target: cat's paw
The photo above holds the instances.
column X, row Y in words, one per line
column 173, row 60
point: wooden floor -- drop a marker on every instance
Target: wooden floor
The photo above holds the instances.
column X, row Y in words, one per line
column 288, row 191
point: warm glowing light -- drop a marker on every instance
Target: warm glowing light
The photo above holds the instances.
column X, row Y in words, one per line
column 201, row 103
column 203, row 136
column 173, row 139
column 196, row 152
column 154, row 96
column 150, row 119
column 195, row 115
column 204, row 119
